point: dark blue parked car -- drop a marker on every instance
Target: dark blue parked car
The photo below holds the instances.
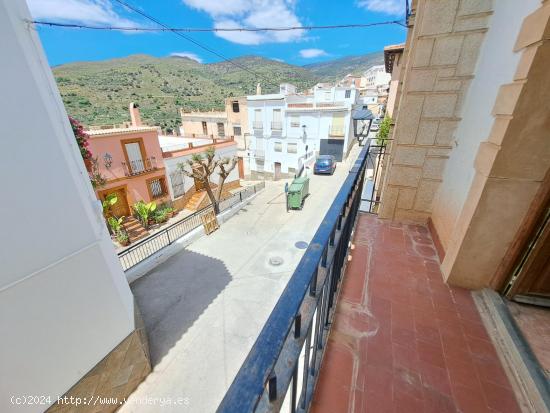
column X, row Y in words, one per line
column 325, row 164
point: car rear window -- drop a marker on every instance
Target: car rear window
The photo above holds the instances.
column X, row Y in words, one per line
column 323, row 162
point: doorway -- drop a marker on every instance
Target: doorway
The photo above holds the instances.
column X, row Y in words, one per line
column 277, row 169
column 530, row 280
column 120, row 208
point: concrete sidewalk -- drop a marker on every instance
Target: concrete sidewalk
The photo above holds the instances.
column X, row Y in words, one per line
column 204, row 307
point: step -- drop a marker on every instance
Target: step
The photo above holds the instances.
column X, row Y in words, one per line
column 531, row 386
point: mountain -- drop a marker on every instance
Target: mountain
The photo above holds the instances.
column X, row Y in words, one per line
column 338, row 68
column 98, row 93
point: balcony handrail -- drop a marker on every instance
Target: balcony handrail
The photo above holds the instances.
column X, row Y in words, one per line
column 257, row 124
column 275, row 125
column 265, row 376
column 139, row 166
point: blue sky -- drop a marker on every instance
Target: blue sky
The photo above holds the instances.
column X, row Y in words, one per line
column 298, row 47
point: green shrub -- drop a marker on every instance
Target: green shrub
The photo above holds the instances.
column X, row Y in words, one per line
column 384, row 131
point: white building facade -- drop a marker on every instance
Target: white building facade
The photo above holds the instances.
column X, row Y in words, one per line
column 376, row 76
column 66, row 307
column 290, row 130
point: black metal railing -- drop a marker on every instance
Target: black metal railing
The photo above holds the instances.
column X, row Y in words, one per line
column 146, row 247
column 371, row 193
column 275, row 370
column 139, row 166
column 276, row 125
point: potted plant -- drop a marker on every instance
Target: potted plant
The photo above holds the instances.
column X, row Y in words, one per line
column 123, row 238
column 108, row 202
column 161, row 216
column 144, row 212
column 115, row 224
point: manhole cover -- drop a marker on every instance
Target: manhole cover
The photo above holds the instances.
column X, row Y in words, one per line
column 302, row 245
column 275, row 260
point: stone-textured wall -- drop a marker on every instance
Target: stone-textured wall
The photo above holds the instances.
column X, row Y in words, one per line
column 442, row 49
column 510, row 166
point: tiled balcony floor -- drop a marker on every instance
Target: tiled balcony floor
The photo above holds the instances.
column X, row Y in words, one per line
column 402, row 340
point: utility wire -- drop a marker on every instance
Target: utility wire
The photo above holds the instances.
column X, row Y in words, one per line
column 218, row 29
column 178, row 32
column 190, row 39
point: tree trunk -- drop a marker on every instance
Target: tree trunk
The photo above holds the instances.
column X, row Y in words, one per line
column 221, row 181
column 213, row 200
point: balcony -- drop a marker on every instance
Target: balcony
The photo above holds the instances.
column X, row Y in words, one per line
column 259, row 154
column 138, row 167
column 400, row 338
column 257, row 124
column 277, row 126
column 336, row 132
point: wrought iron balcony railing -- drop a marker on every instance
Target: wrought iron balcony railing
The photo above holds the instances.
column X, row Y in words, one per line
column 257, row 124
column 276, row 125
column 301, row 318
column 139, row 166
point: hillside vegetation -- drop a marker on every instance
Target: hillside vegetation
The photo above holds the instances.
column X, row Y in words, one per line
column 338, row 68
column 98, row 93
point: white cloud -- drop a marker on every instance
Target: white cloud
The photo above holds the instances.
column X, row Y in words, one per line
column 391, row 7
column 277, row 59
column 78, row 11
column 310, row 53
column 189, row 55
column 252, row 13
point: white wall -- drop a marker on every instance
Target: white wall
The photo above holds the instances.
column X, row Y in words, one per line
column 496, row 66
column 171, row 165
column 64, row 300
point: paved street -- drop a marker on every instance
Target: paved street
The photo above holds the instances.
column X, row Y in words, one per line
column 204, row 307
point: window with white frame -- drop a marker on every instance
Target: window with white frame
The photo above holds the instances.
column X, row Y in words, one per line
column 294, row 121
column 348, row 94
column 237, row 131
column 292, row 148
column 337, row 127
column 278, row 146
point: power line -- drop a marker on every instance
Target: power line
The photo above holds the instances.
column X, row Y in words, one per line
column 190, row 39
column 219, row 29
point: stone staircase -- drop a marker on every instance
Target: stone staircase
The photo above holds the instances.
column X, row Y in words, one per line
column 196, row 200
column 134, row 229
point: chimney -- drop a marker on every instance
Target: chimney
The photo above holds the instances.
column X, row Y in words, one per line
column 134, row 114
column 258, row 89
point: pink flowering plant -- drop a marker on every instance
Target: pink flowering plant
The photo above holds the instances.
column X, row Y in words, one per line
column 81, row 138
column 91, row 163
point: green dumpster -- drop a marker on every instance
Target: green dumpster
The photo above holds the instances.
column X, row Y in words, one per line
column 297, row 192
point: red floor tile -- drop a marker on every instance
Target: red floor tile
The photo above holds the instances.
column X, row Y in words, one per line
column 404, row 341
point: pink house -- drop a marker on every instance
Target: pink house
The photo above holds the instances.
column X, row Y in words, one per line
column 131, row 161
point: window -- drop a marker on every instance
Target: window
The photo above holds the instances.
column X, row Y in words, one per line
column 157, row 187
column 292, row 148
column 237, row 131
column 221, row 130
column 257, row 123
column 235, row 105
column 328, row 95
column 294, row 121
column 278, row 147
column 348, row 94
column 204, row 128
column 276, row 124
column 337, row 128
column 135, row 156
